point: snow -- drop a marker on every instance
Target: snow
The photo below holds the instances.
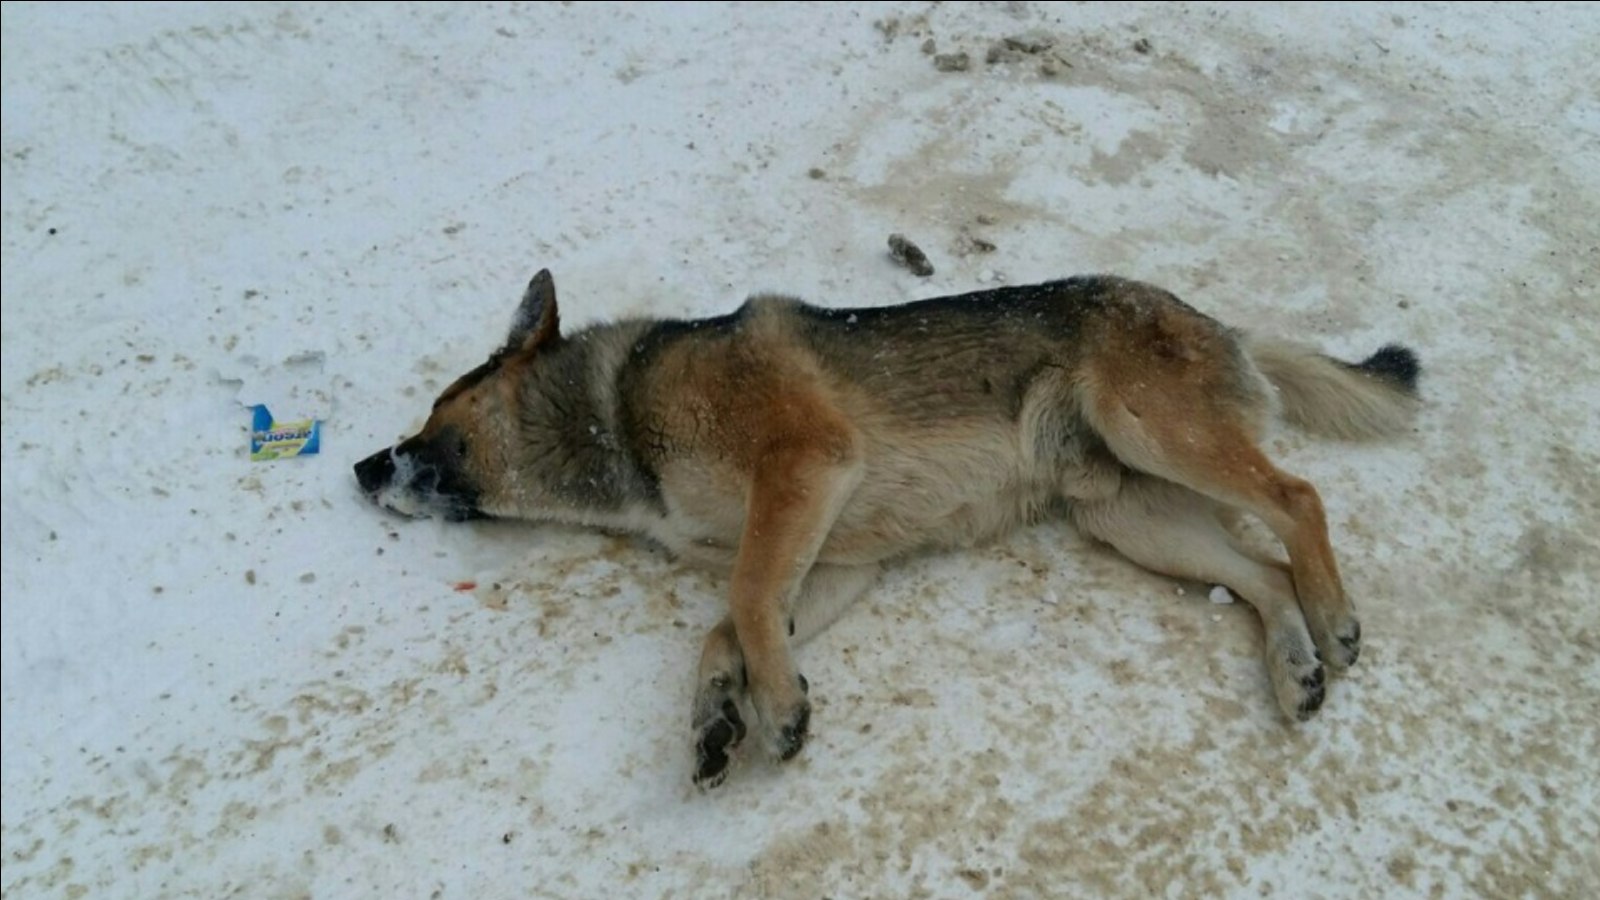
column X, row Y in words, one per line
column 225, row 678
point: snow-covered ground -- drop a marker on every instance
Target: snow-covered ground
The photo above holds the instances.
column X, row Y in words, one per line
column 225, row 678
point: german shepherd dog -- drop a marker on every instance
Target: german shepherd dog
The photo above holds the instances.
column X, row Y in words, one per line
column 800, row 448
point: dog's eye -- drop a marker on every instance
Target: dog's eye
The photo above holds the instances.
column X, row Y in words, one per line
column 461, row 447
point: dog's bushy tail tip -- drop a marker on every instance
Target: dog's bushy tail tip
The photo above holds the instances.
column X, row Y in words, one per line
column 1396, row 364
column 1374, row 398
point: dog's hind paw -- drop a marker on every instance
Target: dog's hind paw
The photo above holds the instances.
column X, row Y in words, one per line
column 1349, row 637
column 1313, row 690
column 1339, row 640
column 1298, row 678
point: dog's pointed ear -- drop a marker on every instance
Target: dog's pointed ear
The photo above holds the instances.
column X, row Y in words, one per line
column 537, row 320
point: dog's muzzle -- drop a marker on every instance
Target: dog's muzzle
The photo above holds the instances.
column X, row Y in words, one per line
column 376, row 471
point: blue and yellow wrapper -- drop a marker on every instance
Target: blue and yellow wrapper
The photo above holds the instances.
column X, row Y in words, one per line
column 282, row 440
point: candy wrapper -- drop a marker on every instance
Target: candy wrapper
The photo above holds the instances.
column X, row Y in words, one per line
column 281, row 440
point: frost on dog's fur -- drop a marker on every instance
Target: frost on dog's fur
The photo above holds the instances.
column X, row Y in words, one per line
column 400, row 495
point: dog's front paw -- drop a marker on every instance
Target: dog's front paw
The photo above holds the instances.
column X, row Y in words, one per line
column 715, row 739
column 793, row 733
column 786, row 717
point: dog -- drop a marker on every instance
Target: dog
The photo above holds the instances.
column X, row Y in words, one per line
column 800, row 448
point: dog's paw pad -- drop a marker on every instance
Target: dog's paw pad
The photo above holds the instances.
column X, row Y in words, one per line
column 1313, row 691
column 1299, row 676
column 711, row 770
column 715, row 740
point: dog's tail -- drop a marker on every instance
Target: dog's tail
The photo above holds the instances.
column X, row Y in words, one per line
column 1356, row 401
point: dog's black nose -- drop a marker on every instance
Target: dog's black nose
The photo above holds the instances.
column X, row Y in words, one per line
column 375, row 471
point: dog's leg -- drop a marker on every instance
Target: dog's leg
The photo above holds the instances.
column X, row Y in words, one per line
column 718, row 725
column 1188, row 435
column 795, row 496
column 1170, row 529
column 827, row 592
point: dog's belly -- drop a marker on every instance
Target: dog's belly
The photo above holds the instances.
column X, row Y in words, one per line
column 961, row 488
column 964, row 484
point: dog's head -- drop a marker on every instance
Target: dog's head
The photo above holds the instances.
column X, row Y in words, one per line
column 459, row 465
